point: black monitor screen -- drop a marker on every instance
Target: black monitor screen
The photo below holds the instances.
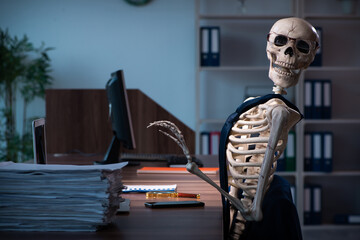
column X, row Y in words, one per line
column 120, row 117
column 39, row 140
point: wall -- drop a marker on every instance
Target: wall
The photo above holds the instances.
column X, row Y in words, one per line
column 153, row 44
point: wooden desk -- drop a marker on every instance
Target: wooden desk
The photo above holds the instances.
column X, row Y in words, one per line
column 146, row 223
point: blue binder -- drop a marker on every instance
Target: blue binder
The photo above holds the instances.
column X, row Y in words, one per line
column 205, row 143
column 205, row 46
column 317, row 151
column 312, row 204
column 308, row 96
column 307, row 205
column 307, row 152
column 327, row 99
column 317, row 97
column 215, row 46
column 210, row 46
column 318, row 56
column 327, row 151
column 316, row 204
column 281, row 164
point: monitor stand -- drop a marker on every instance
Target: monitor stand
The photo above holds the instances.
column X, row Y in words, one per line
column 112, row 153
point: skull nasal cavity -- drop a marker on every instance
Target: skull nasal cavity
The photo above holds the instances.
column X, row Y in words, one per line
column 289, row 51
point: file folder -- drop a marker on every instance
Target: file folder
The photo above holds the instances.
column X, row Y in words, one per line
column 326, row 99
column 318, row 56
column 290, row 152
column 307, row 152
column 307, row 205
column 316, row 151
column 347, row 219
column 317, row 99
column 308, row 102
column 316, row 205
column 215, row 46
column 280, row 163
column 214, row 142
column 210, row 46
column 328, row 143
column 293, row 193
column 205, row 46
column 205, row 143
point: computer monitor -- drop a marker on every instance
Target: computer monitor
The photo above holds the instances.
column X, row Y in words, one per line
column 39, row 141
column 119, row 112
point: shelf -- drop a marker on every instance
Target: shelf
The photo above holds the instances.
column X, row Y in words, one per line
column 333, row 68
column 266, row 68
column 331, row 121
column 330, row 227
column 241, row 17
column 332, row 17
column 236, row 68
column 333, row 174
column 242, row 59
column 305, row 121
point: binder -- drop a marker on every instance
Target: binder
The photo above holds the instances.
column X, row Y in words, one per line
column 307, row 152
column 318, row 56
column 215, row 46
column 290, row 152
column 316, row 151
column 347, row 219
column 327, row 100
column 308, row 99
column 316, row 204
column 205, row 46
column 307, row 205
column 210, row 46
column 205, row 143
column 317, row 99
column 214, row 142
column 280, row 163
column 327, row 151
column 293, row 193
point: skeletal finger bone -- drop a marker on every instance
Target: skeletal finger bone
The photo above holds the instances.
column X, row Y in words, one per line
column 178, row 137
column 191, row 166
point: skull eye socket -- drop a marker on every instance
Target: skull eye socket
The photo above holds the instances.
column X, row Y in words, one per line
column 303, row 46
column 280, row 40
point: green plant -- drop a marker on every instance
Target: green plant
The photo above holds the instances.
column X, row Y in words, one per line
column 24, row 69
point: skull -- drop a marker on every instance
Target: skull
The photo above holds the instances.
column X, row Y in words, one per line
column 291, row 47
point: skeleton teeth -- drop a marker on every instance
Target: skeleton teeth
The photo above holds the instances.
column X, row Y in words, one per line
column 285, row 70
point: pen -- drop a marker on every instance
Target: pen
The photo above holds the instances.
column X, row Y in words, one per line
column 171, row 194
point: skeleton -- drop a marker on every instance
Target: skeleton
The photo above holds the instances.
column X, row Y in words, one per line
column 259, row 136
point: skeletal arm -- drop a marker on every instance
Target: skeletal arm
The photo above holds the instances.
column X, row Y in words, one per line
column 278, row 119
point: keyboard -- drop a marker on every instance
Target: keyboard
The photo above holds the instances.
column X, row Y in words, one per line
column 171, row 159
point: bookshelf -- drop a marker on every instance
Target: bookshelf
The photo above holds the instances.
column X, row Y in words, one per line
column 243, row 62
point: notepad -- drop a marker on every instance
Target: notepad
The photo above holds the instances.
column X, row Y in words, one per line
column 148, row 188
column 174, row 170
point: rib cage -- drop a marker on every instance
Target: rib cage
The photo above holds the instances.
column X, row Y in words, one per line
column 245, row 153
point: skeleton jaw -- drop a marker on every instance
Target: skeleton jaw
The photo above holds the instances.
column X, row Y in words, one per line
column 283, row 74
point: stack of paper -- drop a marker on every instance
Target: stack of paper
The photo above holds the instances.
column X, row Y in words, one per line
column 36, row 197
